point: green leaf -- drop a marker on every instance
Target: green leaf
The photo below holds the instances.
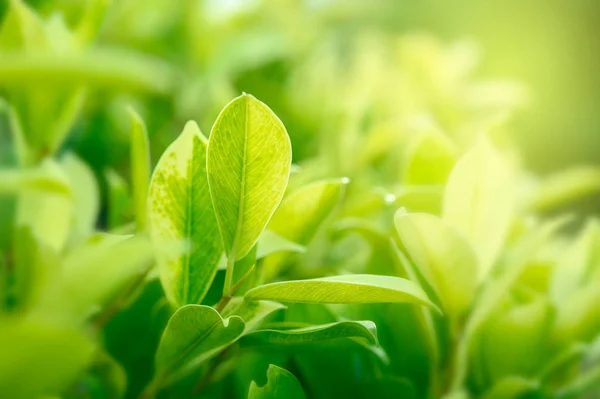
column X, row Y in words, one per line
column 300, row 215
column 40, row 358
column 180, row 209
column 194, row 334
column 252, row 312
column 565, row 187
column 363, row 331
column 47, row 178
column 140, row 168
column 119, row 202
column 86, row 194
column 356, row 288
column 512, row 387
column 431, row 156
column 280, row 384
column 249, row 158
column 443, row 256
column 90, row 276
column 479, row 201
column 271, row 243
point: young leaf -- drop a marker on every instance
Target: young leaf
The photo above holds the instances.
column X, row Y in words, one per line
column 355, row 288
column 251, row 312
column 301, row 214
column 194, row 334
column 431, row 158
column 140, row 168
column 271, row 243
column 442, row 255
column 249, row 158
column 364, row 331
column 47, row 178
column 119, row 202
column 180, row 209
column 479, row 201
column 280, row 384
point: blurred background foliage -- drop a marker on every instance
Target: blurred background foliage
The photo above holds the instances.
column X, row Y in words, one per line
column 285, row 52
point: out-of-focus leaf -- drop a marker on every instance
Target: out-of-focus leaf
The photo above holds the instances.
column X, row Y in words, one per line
column 300, row 216
column 119, row 201
column 180, row 209
column 442, row 255
column 356, row 288
column 90, row 276
column 280, row 384
column 578, row 316
column 249, row 158
column 364, row 331
column 479, row 201
column 86, row 196
column 511, row 387
column 47, row 178
column 431, row 158
column 95, row 68
column 194, row 334
column 422, row 198
column 272, row 243
column 104, row 378
column 563, row 187
column 515, row 341
column 40, row 358
column 140, row 168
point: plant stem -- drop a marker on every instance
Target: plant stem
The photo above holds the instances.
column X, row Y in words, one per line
column 227, row 287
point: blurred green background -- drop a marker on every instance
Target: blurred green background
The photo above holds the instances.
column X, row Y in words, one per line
column 230, row 46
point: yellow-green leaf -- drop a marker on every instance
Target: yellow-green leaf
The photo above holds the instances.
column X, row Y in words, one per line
column 480, row 200
column 140, row 168
column 180, row 209
column 443, row 256
column 249, row 158
column 354, row 288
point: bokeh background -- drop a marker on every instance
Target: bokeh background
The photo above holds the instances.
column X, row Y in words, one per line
column 285, row 52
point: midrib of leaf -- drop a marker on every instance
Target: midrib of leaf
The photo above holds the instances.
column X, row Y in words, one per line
column 242, row 202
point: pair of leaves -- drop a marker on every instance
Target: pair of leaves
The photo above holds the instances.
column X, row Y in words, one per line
column 230, row 185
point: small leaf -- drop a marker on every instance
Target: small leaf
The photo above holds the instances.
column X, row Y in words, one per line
column 253, row 313
column 280, row 384
column 301, row 214
column 431, row 158
column 194, row 334
column 565, row 187
column 180, row 209
column 363, row 331
column 140, row 168
column 442, row 255
column 86, row 194
column 119, row 202
column 479, row 201
column 356, row 288
column 249, row 158
column 272, row 243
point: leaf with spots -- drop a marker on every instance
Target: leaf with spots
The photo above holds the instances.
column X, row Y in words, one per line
column 180, row 210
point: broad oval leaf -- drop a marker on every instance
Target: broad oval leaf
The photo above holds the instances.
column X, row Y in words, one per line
column 354, row 288
column 280, row 384
column 140, row 168
column 431, row 158
column 249, row 159
column 194, row 334
column 443, row 256
column 180, row 209
column 479, row 201
column 363, row 331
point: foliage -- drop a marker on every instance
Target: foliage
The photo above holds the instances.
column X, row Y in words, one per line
column 366, row 231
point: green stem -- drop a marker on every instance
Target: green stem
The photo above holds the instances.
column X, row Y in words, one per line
column 228, row 286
